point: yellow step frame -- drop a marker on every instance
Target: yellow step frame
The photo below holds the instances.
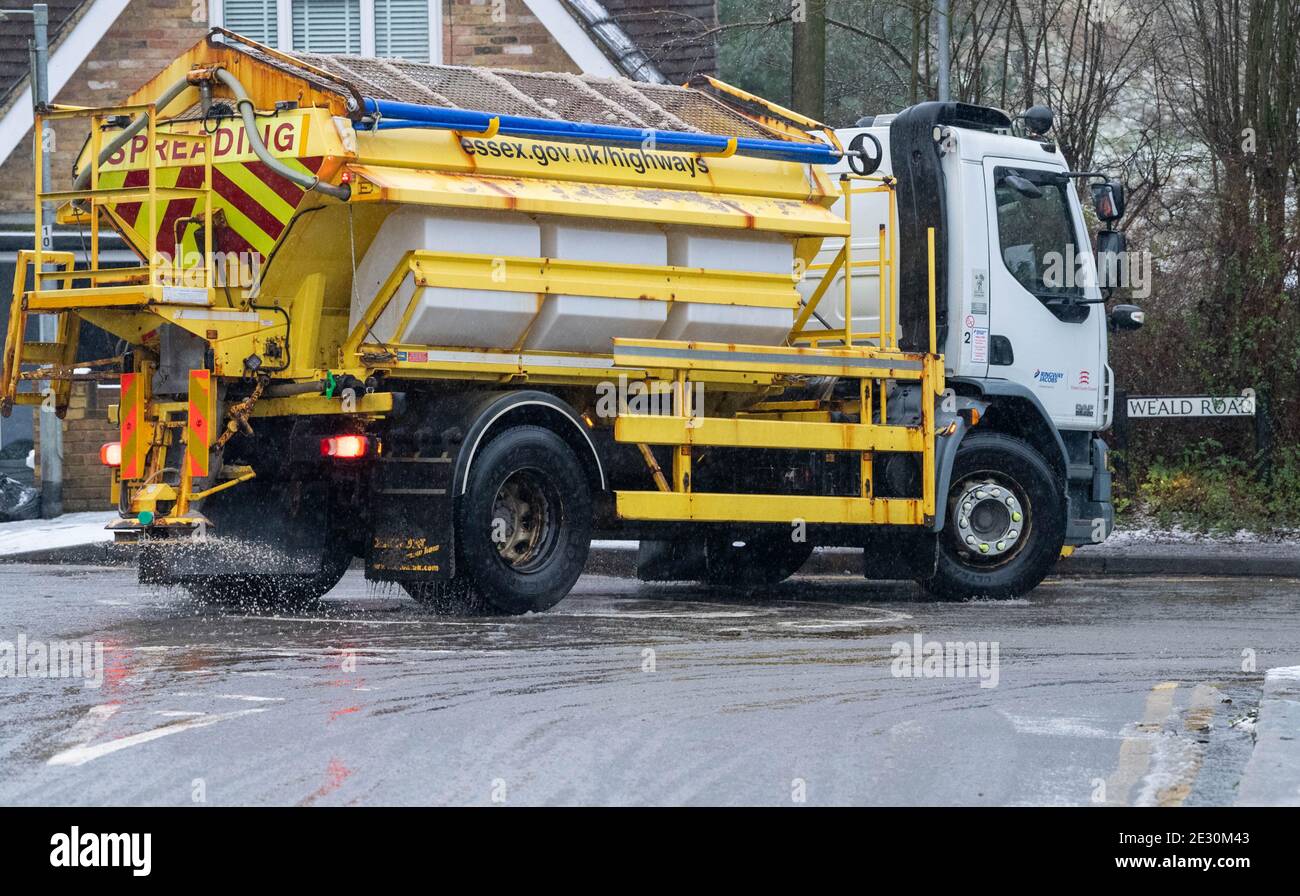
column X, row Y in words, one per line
column 872, row 366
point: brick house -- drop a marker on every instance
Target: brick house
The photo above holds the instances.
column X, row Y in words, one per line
column 103, row 50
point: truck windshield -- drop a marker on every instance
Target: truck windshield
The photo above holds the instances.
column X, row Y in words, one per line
column 1036, row 232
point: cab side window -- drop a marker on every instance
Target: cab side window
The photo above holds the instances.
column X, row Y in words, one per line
column 1036, row 233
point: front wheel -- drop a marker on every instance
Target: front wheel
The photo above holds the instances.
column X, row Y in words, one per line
column 1005, row 521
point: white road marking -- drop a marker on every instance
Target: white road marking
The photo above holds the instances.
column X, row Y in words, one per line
column 86, row 753
column 89, row 725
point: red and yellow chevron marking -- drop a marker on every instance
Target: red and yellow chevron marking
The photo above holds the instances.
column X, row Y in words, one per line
column 257, row 203
column 131, row 413
column 198, row 428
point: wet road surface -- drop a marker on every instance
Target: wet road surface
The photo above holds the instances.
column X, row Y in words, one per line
column 1102, row 691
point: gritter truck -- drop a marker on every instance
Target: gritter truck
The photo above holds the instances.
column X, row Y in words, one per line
column 458, row 322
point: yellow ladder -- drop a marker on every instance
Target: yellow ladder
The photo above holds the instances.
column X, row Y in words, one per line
column 52, row 358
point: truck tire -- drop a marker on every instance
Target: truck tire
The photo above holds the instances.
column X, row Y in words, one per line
column 758, row 560
column 456, row 596
column 523, row 526
column 1005, row 521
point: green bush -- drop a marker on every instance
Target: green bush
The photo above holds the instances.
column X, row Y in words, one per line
column 1207, row 490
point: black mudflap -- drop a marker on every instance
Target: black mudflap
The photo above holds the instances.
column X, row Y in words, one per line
column 891, row 552
column 412, row 512
column 261, row 528
column 676, row 560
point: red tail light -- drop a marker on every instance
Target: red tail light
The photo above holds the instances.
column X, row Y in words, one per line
column 345, row 447
column 110, row 454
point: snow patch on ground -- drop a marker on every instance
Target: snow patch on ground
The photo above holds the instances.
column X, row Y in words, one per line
column 1248, row 724
column 1146, row 532
column 1052, row 726
column 1175, row 761
column 1282, row 673
column 69, row 530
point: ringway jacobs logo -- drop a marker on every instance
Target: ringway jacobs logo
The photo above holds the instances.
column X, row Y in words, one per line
column 1049, row 377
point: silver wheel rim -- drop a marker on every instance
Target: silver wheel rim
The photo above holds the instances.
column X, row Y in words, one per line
column 523, row 520
column 991, row 518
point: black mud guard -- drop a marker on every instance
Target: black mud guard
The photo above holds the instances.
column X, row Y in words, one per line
column 898, row 552
column 671, row 560
column 413, row 500
column 412, row 519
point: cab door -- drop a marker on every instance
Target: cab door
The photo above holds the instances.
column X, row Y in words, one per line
column 1045, row 300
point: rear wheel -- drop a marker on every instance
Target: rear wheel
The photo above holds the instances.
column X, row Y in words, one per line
column 523, row 528
column 1005, row 521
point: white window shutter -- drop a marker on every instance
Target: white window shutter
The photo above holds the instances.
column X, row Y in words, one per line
column 327, row 26
column 402, row 30
column 254, row 19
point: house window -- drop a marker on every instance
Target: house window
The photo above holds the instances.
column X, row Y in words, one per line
column 255, row 19
column 327, row 26
column 389, row 29
column 402, row 29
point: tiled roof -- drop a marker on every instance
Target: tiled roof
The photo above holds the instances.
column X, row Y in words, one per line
column 15, row 61
column 673, row 34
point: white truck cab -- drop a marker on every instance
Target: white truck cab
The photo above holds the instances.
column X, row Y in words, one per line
column 1014, row 261
column 1026, row 324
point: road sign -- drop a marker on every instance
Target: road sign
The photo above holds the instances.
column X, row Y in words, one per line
column 1242, row 405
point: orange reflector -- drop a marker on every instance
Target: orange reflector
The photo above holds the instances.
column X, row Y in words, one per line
column 344, row 447
column 135, row 439
column 110, row 454
column 198, row 429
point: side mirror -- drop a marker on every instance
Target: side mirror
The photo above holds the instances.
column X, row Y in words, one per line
column 1127, row 317
column 1111, row 245
column 1108, row 200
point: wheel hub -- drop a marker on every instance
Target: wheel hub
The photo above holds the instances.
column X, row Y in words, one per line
column 521, row 520
column 990, row 519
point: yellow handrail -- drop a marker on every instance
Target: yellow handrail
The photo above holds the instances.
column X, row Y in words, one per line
column 98, row 198
column 843, row 262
